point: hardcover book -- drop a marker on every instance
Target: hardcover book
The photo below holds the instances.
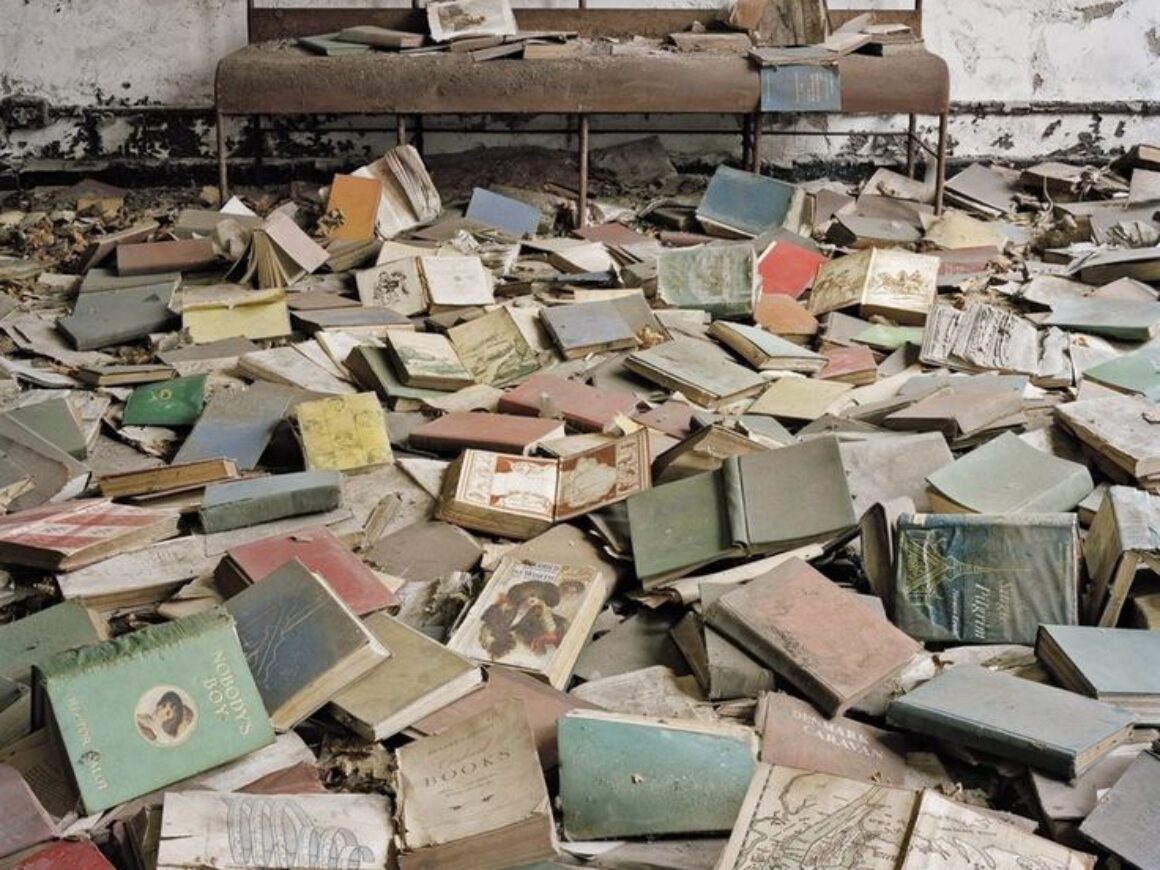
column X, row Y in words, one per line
column 237, row 425
column 765, row 351
column 166, row 479
column 344, row 433
column 794, row 734
column 521, row 496
column 190, row 704
column 280, row 253
column 591, row 327
column 396, row 285
column 70, row 854
column 817, row 636
column 182, row 255
column 701, row 371
column 720, row 279
column 302, row 643
column 795, row 818
column 970, row 578
column 1110, row 664
column 1122, row 542
column 242, row 503
column 1059, row 732
column 788, row 269
column 637, row 776
column 456, row 282
column 176, row 402
column 321, row 551
column 1009, row 476
column 503, row 433
column 420, row 677
column 533, row 616
column 516, row 218
column 1119, row 821
column 63, row 537
column 289, row 831
column 25, row 822
column 105, row 319
column 39, row 636
column 427, row 359
column 744, row 204
column 587, row 408
column 226, row 311
column 487, row 769
column 354, row 204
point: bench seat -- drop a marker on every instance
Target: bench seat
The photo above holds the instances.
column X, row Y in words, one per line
column 282, row 79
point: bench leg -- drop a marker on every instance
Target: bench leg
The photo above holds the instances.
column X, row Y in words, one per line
column 223, row 171
column 941, row 177
column 912, row 147
column 259, row 147
column 400, row 130
column 745, row 140
column 417, row 124
column 582, row 205
column 757, row 124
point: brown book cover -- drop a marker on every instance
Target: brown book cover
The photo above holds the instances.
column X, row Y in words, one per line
column 794, row 734
column 817, row 636
column 850, row 365
column 148, row 258
column 171, row 478
column 580, row 405
column 357, row 200
column 503, row 433
column 785, row 316
column 424, row 550
column 320, row 550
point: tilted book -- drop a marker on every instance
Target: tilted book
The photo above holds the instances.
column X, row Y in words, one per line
column 534, row 616
column 188, row 699
column 1057, row 731
column 720, row 279
column 487, row 769
column 819, row 637
column 973, row 578
column 38, row 637
column 634, row 776
column 1121, row 822
column 344, row 433
column 302, row 643
column 1116, row 665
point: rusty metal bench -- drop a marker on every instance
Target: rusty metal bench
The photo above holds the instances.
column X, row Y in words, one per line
column 273, row 77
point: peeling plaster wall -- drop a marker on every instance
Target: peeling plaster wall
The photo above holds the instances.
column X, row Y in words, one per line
column 133, row 79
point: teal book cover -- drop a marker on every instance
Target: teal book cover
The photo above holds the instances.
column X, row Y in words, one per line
column 976, row 578
column 153, row 707
column 176, row 402
column 636, row 776
column 744, row 201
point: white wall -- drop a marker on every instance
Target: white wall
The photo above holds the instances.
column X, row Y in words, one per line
column 1071, row 73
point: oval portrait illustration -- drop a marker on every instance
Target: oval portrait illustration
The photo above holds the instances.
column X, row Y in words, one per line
column 165, row 716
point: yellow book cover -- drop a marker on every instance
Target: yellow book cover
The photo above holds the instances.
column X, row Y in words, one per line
column 344, row 433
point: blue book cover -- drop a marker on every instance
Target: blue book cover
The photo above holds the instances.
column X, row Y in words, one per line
column 801, row 89
column 985, row 579
column 746, row 203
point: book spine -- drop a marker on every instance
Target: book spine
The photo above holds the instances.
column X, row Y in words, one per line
column 734, row 496
column 1050, row 759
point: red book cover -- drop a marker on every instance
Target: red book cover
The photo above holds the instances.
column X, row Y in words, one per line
column 584, row 407
column 324, row 554
column 65, row 855
column 789, row 269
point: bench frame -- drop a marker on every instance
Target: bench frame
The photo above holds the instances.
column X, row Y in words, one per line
column 265, row 24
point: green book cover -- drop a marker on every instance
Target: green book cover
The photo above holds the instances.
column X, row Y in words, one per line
column 243, row 503
column 636, row 776
column 1137, row 372
column 177, row 402
column 37, row 638
column 153, row 707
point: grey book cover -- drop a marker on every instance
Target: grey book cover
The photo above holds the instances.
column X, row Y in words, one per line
column 294, row 631
column 744, row 201
column 1057, row 731
column 243, row 503
column 1105, row 661
column 510, row 215
column 973, row 578
column 1124, row 822
column 117, row 316
column 583, row 328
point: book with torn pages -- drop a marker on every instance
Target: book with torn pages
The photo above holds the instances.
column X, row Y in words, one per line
column 974, row 578
column 792, row 818
column 817, row 636
column 63, row 537
column 291, row 831
column 409, row 196
column 456, row 282
column 487, row 768
column 1124, row 540
column 702, row 372
column 171, row 682
column 720, row 279
column 980, row 337
column 945, row 833
column 302, row 643
column 459, row 19
column 533, row 616
column 428, row 360
column 1122, row 433
column 892, row 283
column 1057, row 731
column 279, row 254
column 1109, row 664
column 344, row 433
column 522, row 496
column 631, row 776
column 231, row 310
column 421, row 677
